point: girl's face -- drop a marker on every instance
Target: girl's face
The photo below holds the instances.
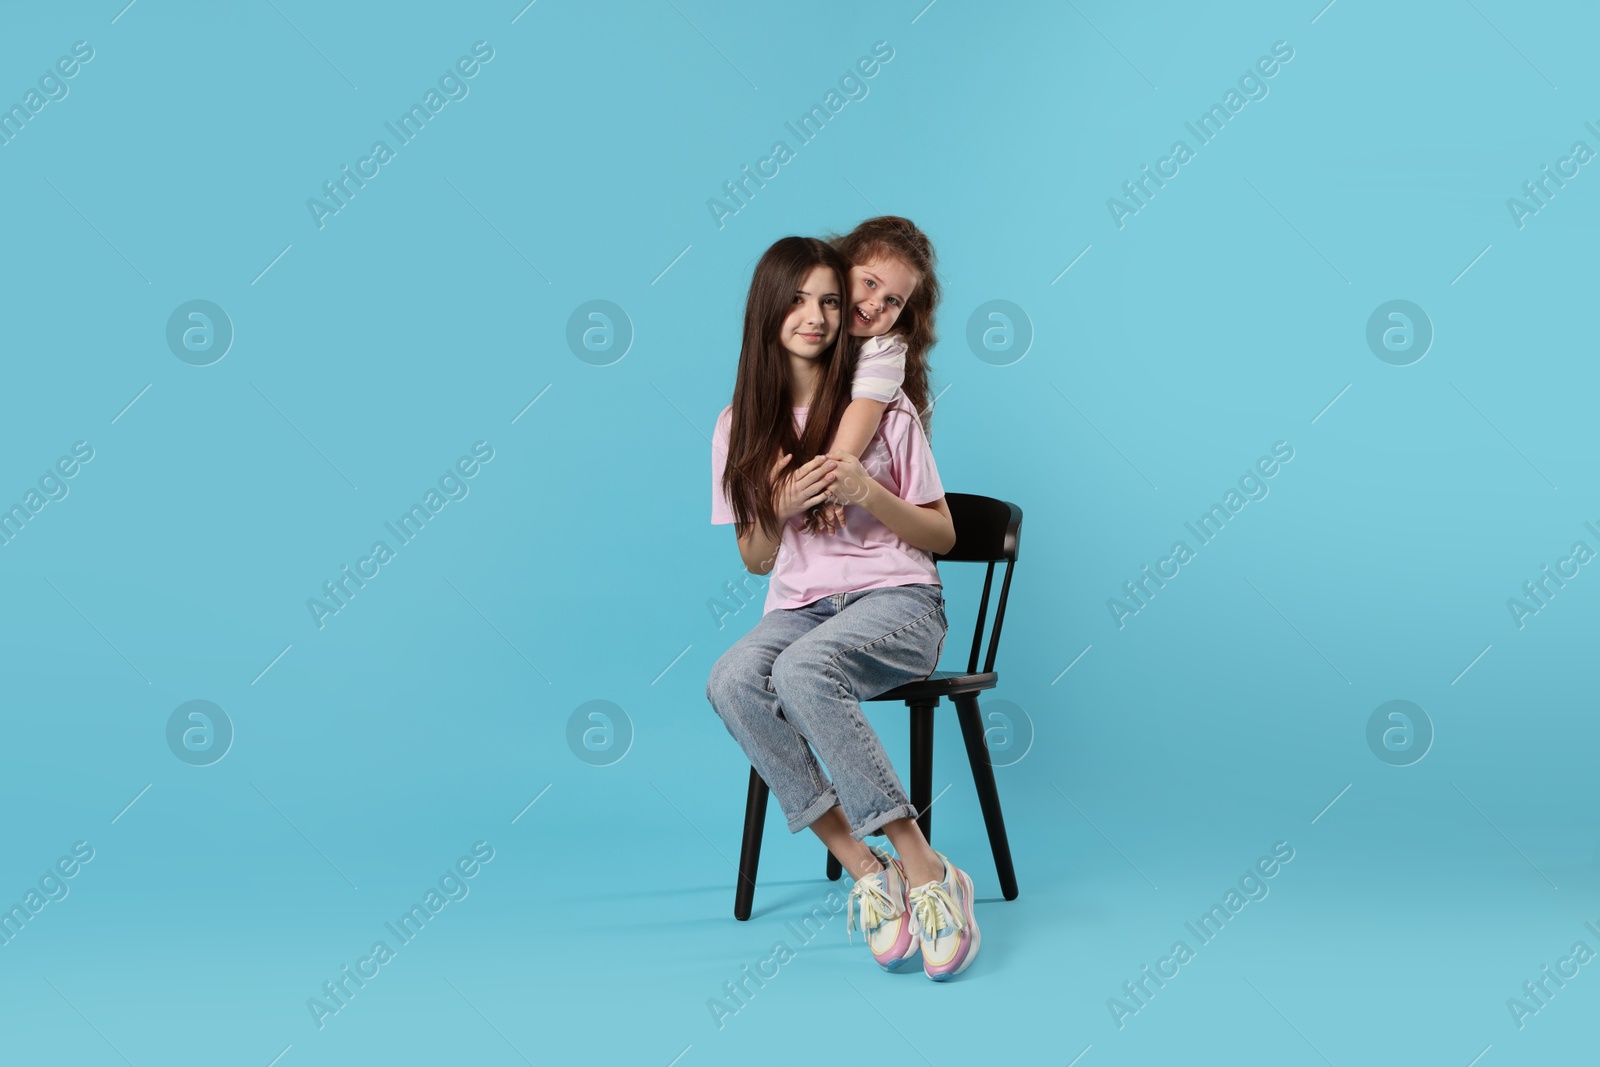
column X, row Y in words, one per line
column 879, row 289
column 813, row 319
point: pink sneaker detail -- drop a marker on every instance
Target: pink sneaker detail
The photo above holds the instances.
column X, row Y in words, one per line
column 885, row 914
column 947, row 926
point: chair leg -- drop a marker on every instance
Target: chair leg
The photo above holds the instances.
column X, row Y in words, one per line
column 988, row 796
column 922, row 765
column 755, row 820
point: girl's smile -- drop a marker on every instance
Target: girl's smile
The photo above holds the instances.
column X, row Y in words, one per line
column 879, row 289
column 813, row 320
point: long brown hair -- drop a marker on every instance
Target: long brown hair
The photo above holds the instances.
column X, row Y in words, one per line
column 893, row 237
column 763, row 393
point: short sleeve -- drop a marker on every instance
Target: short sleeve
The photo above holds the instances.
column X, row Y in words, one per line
column 721, row 510
column 880, row 369
column 911, row 456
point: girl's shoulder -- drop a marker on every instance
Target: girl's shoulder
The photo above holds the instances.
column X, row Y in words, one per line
column 889, row 344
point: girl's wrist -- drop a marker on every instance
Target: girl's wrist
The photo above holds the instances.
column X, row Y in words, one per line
column 872, row 498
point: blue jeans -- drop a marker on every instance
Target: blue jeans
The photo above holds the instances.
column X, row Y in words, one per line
column 799, row 675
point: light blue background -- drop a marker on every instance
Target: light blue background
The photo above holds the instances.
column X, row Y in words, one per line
column 427, row 314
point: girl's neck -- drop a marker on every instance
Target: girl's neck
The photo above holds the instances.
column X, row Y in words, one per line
column 804, row 374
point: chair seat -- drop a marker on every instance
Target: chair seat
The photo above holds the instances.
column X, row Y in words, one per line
column 942, row 684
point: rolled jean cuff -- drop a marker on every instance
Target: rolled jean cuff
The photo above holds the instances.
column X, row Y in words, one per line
column 814, row 811
column 875, row 824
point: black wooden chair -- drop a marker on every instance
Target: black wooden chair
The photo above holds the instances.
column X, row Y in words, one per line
column 987, row 531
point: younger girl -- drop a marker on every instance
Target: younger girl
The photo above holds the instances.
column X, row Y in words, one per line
column 894, row 292
column 847, row 617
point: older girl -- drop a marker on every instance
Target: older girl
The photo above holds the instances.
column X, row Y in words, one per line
column 847, row 616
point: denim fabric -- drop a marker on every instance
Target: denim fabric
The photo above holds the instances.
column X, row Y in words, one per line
column 799, row 675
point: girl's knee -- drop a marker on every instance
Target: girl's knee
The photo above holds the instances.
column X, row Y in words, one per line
column 731, row 676
column 797, row 668
column 720, row 683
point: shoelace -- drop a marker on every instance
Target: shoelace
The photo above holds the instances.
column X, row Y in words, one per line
column 874, row 902
column 935, row 910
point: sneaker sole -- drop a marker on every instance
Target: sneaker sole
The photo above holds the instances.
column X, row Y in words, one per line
column 904, row 963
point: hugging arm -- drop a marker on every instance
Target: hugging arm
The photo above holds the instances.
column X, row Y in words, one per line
column 757, row 548
column 925, row 526
column 857, row 425
column 803, row 488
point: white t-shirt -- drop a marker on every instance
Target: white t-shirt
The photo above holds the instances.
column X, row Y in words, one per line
column 880, row 368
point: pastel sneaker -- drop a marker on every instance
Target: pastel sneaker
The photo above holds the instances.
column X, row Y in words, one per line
column 885, row 914
column 946, row 925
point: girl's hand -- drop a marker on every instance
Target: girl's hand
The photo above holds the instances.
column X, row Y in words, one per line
column 853, row 485
column 826, row 518
column 806, row 486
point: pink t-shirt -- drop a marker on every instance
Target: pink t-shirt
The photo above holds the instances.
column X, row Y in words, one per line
column 864, row 553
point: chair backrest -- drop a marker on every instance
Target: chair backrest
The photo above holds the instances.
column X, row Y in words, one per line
column 987, row 531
